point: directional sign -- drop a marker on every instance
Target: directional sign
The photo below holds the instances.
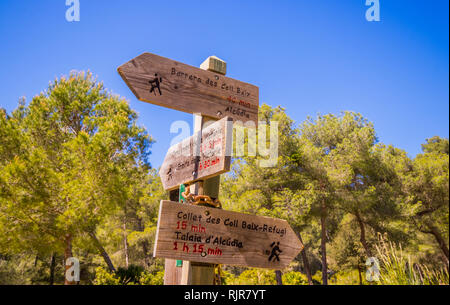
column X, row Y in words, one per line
column 208, row 235
column 168, row 83
column 198, row 157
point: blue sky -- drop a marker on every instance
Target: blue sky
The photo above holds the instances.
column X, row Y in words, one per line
column 311, row 57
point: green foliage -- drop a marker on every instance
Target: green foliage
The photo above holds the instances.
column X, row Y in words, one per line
column 74, row 163
column 66, row 162
column 426, row 197
column 347, row 277
column 228, row 278
column 253, row 276
column 294, row 278
column 437, row 145
column 133, row 275
column 152, row 279
column 130, row 275
column 399, row 268
column 332, row 166
column 104, row 277
column 345, row 249
column 23, row 269
column 317, row 278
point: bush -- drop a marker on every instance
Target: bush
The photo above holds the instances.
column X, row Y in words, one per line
column 103, row 277
column 396, row 268
column 133, row 275
column 294, row 278
column 148, row 278
column 130, row 275
column 347, row 277
column 253, row 276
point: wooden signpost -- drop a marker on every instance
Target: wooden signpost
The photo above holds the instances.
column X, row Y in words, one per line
column 208, row 235
column 201, row 156
column 168, row 83
column 204, row 236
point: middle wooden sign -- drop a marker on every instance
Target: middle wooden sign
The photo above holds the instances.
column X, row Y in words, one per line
column 204, row 155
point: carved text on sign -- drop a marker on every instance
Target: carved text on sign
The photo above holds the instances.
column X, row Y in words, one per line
column 211, row 235
column 200, row 156
column 168, row 83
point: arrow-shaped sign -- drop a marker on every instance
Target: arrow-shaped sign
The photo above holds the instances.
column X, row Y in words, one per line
column 209, row 235
column 168, row 83
column 197, row 158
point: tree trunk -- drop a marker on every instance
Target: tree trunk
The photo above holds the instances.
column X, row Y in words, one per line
column 278, row 277
column 305, row 261
column 52, row 269
column 360, row 276
column 363, row 235
column 440, row 240
column 145, row 250
column 125, row 242
column 67, row 254
column 102, row 252
column 144, row 244
column 323, row 244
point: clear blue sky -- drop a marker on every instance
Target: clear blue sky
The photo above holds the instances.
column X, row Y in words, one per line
column 308, row 56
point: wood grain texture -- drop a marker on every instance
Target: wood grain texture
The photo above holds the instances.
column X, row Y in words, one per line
column 190, row 89
column 187, row 161
column 223, row 237
column 172, row 273
column 215, row 65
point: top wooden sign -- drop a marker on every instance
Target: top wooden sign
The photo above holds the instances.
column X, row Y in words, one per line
column 168, row 83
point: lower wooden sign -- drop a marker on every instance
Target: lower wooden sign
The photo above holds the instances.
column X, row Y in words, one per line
column 209, row 235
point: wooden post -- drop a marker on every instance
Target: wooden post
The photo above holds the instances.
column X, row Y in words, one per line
column 278, row 276
column 172, row 272
column 197, row 273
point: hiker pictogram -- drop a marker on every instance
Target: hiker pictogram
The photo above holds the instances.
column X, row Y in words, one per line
column 274, row 255
column 156, row 84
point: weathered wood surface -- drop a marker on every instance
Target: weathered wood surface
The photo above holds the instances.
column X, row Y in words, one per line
column 192, row 160
column 208, row 235
column 168, row 83
column 214, row 64
column 172, row 273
